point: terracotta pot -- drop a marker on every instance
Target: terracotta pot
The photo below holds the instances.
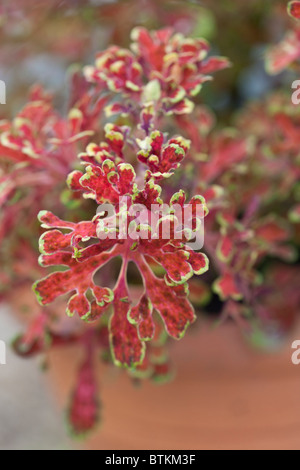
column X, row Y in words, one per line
column 225, row 396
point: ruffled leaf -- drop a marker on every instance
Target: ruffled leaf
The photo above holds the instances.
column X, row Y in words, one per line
column 127, row 348
column 162, row 160
column 104, row 183
column 78, row 278
column 173, row 306
column 141, row 316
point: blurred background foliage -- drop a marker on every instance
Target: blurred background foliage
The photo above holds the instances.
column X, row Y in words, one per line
column 40, row 40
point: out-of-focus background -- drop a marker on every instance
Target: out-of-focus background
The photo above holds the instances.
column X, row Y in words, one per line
column 40, row 41
column 29, row 417
column 225, row 394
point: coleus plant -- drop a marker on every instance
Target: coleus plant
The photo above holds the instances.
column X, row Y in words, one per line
column 159, row 78
column 142, row 138
column 150, row 84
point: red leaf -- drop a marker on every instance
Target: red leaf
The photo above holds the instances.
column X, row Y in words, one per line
column 162, row 160
column 226, row 287
column 118, row 69
column 79, row 278
column 176, row 311
column 225, row 249
column 84, row 409
column 141, row 316
column 282, row 55
column 127, row 348
column 294, row 9
column 104, row 183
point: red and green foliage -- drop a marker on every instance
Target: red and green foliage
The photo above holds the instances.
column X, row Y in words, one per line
column 137, row 131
